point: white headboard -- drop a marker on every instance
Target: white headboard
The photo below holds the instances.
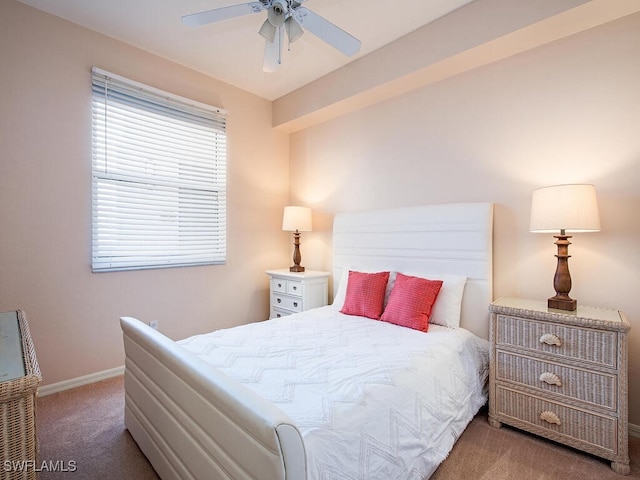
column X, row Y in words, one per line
column 453, row 238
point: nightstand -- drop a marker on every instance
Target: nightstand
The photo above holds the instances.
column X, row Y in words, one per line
column 19, row 380
column 293, row 292
column 561, row 375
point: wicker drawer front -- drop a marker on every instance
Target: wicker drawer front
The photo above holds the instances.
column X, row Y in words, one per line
column 574, row 424
column 564, row 341
column 592, row 387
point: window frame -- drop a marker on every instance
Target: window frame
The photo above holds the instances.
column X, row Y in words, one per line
column 158, row 178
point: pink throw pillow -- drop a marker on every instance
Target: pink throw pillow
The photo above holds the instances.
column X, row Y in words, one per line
column 411, row 301
column 365, row 294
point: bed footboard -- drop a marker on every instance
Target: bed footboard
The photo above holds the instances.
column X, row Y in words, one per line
column 194, row 422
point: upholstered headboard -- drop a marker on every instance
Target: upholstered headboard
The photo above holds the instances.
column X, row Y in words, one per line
column 453, row 238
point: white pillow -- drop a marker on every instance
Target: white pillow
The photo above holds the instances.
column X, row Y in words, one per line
column 341, row 294
column 446, row 310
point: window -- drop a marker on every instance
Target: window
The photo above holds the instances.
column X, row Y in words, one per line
column 159, row 178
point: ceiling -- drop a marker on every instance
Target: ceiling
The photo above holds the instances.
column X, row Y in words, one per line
column 232, row 50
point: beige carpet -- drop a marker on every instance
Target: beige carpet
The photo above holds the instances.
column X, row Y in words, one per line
column 487, row 453
column 85, row 425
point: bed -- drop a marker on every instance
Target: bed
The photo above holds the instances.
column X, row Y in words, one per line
column 325, row 394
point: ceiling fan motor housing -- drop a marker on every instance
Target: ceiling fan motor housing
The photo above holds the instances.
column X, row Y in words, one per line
column 278, row 11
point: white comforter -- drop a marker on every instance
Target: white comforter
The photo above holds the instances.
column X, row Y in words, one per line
column 372, row 400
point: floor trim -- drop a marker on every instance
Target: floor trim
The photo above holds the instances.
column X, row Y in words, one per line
column 79, row 381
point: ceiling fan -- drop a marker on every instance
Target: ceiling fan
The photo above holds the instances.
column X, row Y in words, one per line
column 282, row 15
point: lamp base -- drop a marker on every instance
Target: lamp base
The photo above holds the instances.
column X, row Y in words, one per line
column 296, row 254
column 560, row 303
column 562, row 278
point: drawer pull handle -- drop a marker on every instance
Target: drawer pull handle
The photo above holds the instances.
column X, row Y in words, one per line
column 279, row 300
column 550, row 417
column 551, row 339
column 295, row 304
column 279, row 285
column 551, row 379
column 278, row 315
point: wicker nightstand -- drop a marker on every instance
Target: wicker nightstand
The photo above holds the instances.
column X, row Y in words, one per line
column 20, row 377
column 561, row 375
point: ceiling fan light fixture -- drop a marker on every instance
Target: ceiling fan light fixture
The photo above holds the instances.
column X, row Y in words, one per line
column 268, row 31
column 277, row 13
column 294, row 30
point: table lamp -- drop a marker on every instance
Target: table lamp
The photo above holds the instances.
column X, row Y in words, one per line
column 296, row 220
column 564, row 208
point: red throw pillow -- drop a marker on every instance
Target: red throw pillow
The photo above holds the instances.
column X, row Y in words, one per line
column 365, row 294
column 411, row 301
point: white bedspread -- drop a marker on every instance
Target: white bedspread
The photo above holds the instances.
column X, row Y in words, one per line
column 372, row 400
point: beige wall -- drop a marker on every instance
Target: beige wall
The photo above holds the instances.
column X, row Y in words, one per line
column 45, row 200
column 566, row 112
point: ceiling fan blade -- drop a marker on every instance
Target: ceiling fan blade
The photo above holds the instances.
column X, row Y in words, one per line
column 327, row 31
column 223, row 13
column 272, row 53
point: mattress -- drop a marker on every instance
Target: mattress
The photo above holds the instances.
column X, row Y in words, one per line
column 371, row 399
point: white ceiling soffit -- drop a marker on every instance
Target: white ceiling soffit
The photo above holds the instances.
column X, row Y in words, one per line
column 232, row 50
column 466, row 39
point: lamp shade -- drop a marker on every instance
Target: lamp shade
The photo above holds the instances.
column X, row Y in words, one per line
column 572, row 208
column 296, row 218
column 268, row 31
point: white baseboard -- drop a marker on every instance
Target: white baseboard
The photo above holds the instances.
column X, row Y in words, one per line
column 634, row 430
column 79, row 381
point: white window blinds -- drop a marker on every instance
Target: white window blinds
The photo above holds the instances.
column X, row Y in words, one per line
column 159, row 178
